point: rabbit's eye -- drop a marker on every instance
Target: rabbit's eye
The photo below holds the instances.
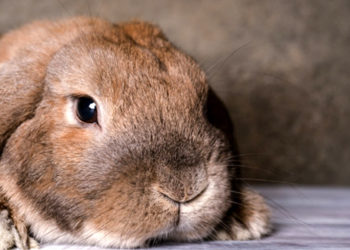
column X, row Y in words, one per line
column 86, row 110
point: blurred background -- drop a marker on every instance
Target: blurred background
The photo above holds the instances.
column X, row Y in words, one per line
column 281, row 67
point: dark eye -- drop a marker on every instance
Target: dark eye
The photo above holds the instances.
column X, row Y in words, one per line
column 86, row 110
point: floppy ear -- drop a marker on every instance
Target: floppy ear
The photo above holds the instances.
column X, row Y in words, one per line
column 23, row 61
column 21, row 86
column 249, row 219
column 218, row 116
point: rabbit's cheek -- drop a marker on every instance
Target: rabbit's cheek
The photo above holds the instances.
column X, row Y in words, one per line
column 128, row 217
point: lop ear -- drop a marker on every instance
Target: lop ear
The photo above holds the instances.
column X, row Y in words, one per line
column 23, row 61
column 218, row 115
column 250, row 219
column 21, row 87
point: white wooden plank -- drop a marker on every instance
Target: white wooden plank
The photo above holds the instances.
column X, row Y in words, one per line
column 303, row 218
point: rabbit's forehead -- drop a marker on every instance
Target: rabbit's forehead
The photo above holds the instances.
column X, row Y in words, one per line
column 127, row 72
column 140, row 69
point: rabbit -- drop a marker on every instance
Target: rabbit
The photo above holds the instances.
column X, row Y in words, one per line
column 111, row 136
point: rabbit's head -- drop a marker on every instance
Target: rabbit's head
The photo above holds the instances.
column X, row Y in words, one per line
column 118, row 139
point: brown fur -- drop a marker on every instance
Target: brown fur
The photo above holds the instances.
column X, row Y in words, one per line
column 161, row 161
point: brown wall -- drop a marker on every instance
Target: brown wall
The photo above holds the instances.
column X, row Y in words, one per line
column 287, row 86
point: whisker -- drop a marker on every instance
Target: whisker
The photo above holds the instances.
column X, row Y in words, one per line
column 222, row 61
column 265, row 180
column 64, row 8
column 285, row 212
column 89, row 8
column 269, row 171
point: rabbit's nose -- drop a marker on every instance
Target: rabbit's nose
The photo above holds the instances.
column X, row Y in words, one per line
column 183, row 197
column 183, row 193
column 181, row 184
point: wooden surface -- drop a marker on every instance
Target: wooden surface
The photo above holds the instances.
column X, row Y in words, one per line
column 303, row 218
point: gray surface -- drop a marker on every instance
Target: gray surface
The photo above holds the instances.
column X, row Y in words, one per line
column 303, row 218
column 287, row 89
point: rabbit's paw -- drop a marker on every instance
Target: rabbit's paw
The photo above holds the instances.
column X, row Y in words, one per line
column 7, row 231
column 252, row 222
column 10, row 235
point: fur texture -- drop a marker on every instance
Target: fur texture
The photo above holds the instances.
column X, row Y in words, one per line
column 161, row 162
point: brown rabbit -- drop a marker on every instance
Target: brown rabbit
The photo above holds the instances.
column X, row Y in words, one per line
column 111, row 136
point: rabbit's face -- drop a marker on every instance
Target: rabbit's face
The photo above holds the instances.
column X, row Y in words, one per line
column 120, row 150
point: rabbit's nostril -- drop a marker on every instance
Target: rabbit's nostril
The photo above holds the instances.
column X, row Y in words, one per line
column 182, row 195
column 168, row 197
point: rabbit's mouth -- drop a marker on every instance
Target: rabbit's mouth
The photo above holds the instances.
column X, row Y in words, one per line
column 196, row 218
